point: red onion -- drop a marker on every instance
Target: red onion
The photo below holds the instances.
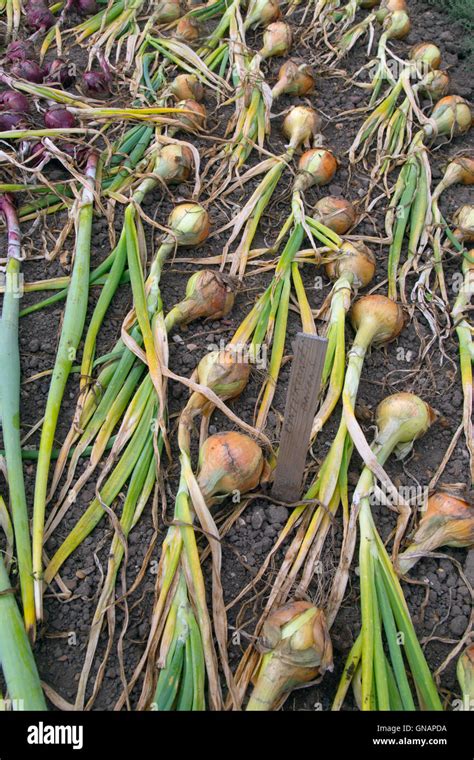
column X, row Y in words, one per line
column 59, row 71
column 87, row 7
column 96, row 82
column 59, row 118
column 28, row 70
column 10, row 120
column 14, row 101
column 38, row 16
column 19, row 50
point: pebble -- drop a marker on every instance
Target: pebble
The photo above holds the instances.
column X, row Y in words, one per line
column 277, row 514
column 257, row 518
column 458, row 625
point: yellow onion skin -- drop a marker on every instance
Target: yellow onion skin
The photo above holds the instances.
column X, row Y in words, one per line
column 290, row 658
column 315, row 167
column 450, row 116
column 406, row 413
column 397, row 25
column 175, row 163
column 187, row 87
column 262, row 13
column 354, row 258
column 277, row 40
column 208, row 295
column 464, row 221
column 195, row 120
column 188, row 29
column 294, row 78
column 435, row 84
column 336, row 213
column 301, row 125
column 223, row 373
column 427, row 53
column 380, row 314
column 189, row 223
column 229, row 462
column 460, row 169
column 390, row 6
column 168, row 10
column 465, row 676
column 448, row 521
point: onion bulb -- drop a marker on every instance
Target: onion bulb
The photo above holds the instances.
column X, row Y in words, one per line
column 389, row 6
column 12, row 100
column 187, row 87
column 175, row 163
column 427, row 53
column 450, row 116
column 336, row 213
column 59, row 118
column 435, row 84
column 87, row 7
column 464, row 221
column 10, row 120
column 223, row 373
column 38, row 16
column 354, row 258
column 19, row 50
column 295, row 647
column 59, row 71
column 194, row 120
column 229, row 462
column 277, row 40
column 460, row 169
column 262, row 12
column 28, row 70
column 188, row 29
column 96, row 82
column 294, row 78
column 315, row 167
column 397, row 25
column 402, row 417
column 166, row 11
column 208, row 295
column 447, row 521
column 301, row 125
column 379, row 316
column 189, row 224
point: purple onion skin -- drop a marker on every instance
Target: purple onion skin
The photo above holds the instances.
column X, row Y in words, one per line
column 96, row 82
column 87, row 7
column 10, row 120
column 19, row 50
column 59, row 118
column 14, row 101
column 38, row 16
column 59, row 72
column 28, row 70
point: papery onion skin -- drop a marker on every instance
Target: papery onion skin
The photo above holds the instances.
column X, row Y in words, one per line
column 460, row 169
column 379, row 313
column 19, row 50
column 175, row 163
column 464, row 221
column 189, row 223
column 301, row 125
column 59, row 71
column 28, row 70
column 209, row 295
column 87, row 7
column 10, row 120
column 435, row 84
column 316, row 166
column 96, row 82
column 188, row 29
column 355, row 258
column 277, row 40
column 59, row 118
column 450, row 116
column 12, row 100
column 336, row 213
column 195, row 120
column 426, row 52
column 224, row 373
column 397, row 25
column 229, row 462
column 38, row 16
column 187, row 87
column 294, row 78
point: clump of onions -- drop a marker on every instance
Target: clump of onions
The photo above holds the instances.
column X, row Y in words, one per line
column 96, row 82
column 189, row 224
column 19, row 50
column 315, row 167
column 296, row 648
column 301, row 125
column 277, row 40
column 59, row 118
column 38, row 16
column 59, row 71
column 188, row 29
column 194, row 120
column 427, row 53
column 87, row 7
column 435, row 84
column 294, row 78
column 336, row 213
column 229, row 462
column 175, row 163
column 29, row 70
column 10, row 120
column 464, row 221
column 450, row 116
column 166, row 11
column 465, row 676
column 223, row 373
column 262, row 12
column 379, row 315
column 355, row 258
column 448, row 521
column 187, row 87
column 208, row 295
column 12, row 100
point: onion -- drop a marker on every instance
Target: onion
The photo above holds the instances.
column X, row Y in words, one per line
column 450, row 116
column 397, row 25
column 381, row 316
column 389, row 6
column 28, row 70
column 296, row 647
column 460, row 169
column 294, row 78
column 404, row 412
column 301, row 124
column 59, row 118
column 97, row 82
column 166, row 11
column 87, row 7
column 208, row 295
column 428, row 53
column 223, row 373
column 448, row 521
column 195, row 120
column 14, row 101
column 175, row 163
column 59, row 71
column 464, row 221
column 187, row 87
column 38, row 16
column 10, row 120
column 315, row 167
column 435, row 84
column 188, row 29
column 19, row 50
column 262, row 12
column 189, row 223
column 354, row 258
column 277, row 40
column 336, row 213
column 229, row 462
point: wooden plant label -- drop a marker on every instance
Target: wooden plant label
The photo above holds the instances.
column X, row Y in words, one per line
column 301, row 404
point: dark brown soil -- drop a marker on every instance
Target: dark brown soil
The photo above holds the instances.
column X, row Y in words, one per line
column 439, row 600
